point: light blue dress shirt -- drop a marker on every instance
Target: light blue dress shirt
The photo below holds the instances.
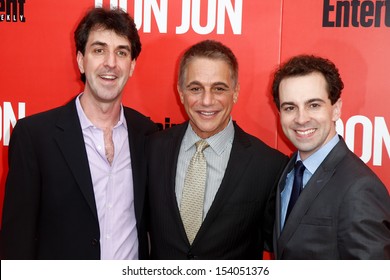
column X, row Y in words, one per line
column 311, row 164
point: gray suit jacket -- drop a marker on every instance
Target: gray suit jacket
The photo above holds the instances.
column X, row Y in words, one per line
column 242, row 213
column 342, row 213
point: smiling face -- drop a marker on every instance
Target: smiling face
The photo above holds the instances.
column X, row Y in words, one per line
column 208, row 95
column 306, row 113
column 107, row 64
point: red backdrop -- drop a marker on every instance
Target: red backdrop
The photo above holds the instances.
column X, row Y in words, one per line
column 38, row 67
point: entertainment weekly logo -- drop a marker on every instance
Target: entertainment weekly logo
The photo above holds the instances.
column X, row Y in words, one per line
column 375, row 136
column 12, row 11
column 147, row 11
column 356, row 13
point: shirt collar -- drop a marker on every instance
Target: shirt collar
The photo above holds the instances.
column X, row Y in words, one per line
column 85, row 122
column 314, row 161
column 217, row 142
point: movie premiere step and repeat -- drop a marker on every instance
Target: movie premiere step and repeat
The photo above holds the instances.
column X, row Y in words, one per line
column 38, row 69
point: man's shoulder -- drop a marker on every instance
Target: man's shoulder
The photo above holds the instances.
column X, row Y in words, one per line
column 134, row 113
column 170, row 137
column 40, row 118
column 256, row 144
column 173, row 131
column 352, row 162
column 348, row 165
column 139, row 120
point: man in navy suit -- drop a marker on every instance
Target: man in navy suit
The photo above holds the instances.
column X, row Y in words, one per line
column 76, row 182
column 237, row 214
column 343, row 209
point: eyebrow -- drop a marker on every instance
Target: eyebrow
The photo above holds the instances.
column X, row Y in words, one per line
column 212, row 85
column 98, row 43
column 306, row 102
column 315, row 100
column 221, row 84
column 194, row 83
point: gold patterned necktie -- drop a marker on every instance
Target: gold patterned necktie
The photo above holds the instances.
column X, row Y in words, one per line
column 191, row 208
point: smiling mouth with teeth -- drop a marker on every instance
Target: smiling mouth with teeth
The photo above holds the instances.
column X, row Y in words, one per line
column 306, row 132
column 207, row 113
column 108, row 77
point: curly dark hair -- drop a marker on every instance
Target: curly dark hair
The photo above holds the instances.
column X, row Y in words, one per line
column 302, row 65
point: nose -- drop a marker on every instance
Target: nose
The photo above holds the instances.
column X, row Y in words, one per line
column 207, row 97
column 110, row 60
column 302, row 116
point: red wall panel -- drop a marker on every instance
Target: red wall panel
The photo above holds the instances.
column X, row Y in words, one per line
column 38, row 66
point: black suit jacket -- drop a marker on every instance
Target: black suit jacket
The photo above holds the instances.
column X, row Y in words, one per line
column 342, row 213
column 241, row 215
column 49, row 208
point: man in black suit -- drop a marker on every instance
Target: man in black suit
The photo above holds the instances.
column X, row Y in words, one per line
column 241, row 172
column 76, row 182
column 343, row 209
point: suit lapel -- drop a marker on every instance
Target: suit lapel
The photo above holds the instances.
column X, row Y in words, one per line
column 70, row 141
column 312, row 189
column 170, row 166
column 308, row 195
column 171, row 148
column 280, row 188
column 240, row 157
column 136, row 146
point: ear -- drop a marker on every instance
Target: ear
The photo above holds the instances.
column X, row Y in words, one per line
column 236, row 93
column 80, row 61
column 181, row 94
column 337, row 110
column 132, row 67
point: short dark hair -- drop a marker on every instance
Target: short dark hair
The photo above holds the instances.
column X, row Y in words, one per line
column 208, row 49
column 116, row 20
column 303, row 65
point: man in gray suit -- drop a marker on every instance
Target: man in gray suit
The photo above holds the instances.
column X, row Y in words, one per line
column 343, row 209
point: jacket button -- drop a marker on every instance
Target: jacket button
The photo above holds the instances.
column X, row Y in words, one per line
column 94, row 242
column 191, row 256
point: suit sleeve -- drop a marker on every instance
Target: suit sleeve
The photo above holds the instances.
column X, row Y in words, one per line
column 364, row 229
column 22, row 199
